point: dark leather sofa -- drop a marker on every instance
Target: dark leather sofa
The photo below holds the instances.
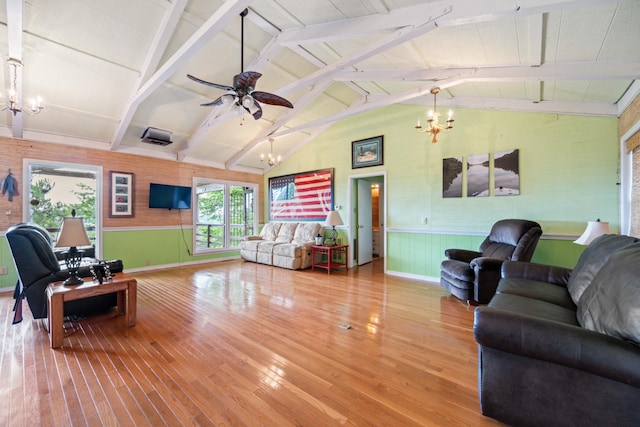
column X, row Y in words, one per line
column 561, row 347
column 37, row 265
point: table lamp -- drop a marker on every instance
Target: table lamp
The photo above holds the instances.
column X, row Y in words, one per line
column 593, row 230
column 333, row 219
column 72, row 234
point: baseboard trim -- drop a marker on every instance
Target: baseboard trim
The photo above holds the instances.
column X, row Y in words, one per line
column 180, row 264
column 428, row 279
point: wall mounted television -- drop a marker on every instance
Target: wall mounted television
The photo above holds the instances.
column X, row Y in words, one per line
column 165, row 196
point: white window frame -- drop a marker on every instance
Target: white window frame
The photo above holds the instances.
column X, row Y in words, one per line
column 227, row 239
column 26, row 191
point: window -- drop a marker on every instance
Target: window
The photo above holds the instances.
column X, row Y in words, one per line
column 224, row 212
column 635, row 194
column 55, row 189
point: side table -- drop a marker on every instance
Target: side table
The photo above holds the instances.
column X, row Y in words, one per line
column 125, row 285
column 336, row 256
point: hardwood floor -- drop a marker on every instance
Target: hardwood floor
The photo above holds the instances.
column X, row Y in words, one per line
column 235, row 343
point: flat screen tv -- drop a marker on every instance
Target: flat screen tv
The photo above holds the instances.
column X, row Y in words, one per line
column 169, row 196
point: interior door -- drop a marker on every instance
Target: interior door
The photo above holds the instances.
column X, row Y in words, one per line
column 365, row 237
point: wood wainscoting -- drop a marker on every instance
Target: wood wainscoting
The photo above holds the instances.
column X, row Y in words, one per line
column 239, row 343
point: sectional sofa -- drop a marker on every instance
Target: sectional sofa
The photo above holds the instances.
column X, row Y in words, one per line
column 282, row 244
column 561, row 347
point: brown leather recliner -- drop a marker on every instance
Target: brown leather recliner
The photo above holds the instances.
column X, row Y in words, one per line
column 474, row 275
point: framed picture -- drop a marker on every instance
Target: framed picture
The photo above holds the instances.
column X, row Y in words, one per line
column 305, row 196
column 367, row 152
column 506, row 172
column 121, row 194
column 452, row 168
column 478, row 175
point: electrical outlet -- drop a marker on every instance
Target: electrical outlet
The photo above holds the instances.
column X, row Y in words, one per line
column 3, row 270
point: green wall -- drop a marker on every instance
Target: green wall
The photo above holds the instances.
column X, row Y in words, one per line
column 6, row 260
column 158, row 246
column 568, row 176
column 138, row 249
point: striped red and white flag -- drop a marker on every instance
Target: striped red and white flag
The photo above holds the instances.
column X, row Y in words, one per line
column 305, row 196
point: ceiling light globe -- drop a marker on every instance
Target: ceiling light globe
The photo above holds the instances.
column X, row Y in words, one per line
column 247, row 101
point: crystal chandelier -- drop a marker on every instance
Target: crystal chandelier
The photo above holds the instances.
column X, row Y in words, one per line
column 15, row 65
column 271, row 160
column 433, row 118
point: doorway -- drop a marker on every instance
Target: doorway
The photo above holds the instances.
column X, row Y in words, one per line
column 367, row 226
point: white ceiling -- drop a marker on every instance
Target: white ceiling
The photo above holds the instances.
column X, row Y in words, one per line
column 108, row 69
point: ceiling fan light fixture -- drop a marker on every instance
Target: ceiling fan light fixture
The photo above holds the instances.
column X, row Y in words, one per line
column 228, row 100
column 247, row 101
column 244, row 85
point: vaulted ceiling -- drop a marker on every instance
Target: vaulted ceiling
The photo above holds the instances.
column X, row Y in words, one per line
column 108, row 69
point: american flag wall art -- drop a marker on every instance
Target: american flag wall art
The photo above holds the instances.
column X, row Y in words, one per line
column 306, row 196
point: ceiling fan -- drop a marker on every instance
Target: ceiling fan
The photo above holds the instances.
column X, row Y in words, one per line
column 243, row 93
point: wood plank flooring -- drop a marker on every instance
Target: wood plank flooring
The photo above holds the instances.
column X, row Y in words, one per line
column 236, row 343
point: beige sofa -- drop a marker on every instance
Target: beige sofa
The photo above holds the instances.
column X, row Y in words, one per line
column 283, row 244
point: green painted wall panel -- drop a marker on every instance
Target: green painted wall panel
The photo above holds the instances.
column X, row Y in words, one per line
column 6, row 260
column 142, row 248
column 134, row 247
column 421, row 254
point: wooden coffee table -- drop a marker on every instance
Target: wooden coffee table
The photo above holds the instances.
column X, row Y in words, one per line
column 125, row 286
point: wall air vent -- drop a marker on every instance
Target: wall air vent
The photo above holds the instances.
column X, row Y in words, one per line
column 156, row 136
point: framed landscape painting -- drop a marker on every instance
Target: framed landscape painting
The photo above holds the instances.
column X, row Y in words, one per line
column 452, row 177
column 478, row 175
column 506, row 171
column 367, row 152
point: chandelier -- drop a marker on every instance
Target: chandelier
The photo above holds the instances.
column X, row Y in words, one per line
column 15, row 66
column 271, row 160
column 433, row 118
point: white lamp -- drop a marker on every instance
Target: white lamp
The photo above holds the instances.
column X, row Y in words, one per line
column 333, row 219
column 593, row 230
column 72, row 234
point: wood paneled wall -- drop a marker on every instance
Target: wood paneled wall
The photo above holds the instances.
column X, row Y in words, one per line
column 145, row 170
column 629, row 117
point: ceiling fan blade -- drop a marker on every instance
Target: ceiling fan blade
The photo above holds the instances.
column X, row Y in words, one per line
column 247, row 79
column 270, row 98
column 218, row 101
column 195, row 79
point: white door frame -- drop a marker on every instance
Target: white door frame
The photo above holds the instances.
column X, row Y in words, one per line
column 351, row 209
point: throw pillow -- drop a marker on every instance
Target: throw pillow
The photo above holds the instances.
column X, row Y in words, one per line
column 270, row 230
column 611, row 304
column 592, row 259
column 287, row 230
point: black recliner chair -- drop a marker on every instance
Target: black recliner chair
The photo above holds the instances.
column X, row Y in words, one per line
column 474, row 275
column 37, row 266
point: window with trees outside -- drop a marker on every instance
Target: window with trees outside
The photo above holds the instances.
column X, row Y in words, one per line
column 57, row 189
column 224, row 212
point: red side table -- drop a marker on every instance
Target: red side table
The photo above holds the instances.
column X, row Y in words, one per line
column 336, row 256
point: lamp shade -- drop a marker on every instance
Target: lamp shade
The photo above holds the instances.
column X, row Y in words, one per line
column 333, row 219
column 72, row 233
column 593, row 230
